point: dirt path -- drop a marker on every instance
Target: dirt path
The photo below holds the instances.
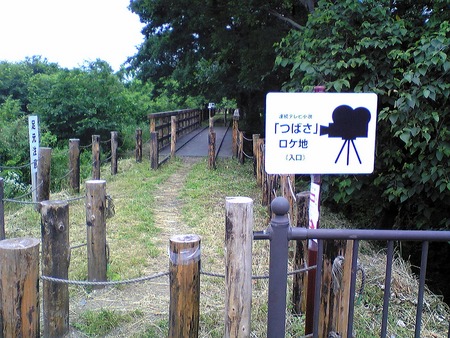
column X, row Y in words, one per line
column 150, row 298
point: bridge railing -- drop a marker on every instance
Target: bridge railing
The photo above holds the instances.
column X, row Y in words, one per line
column 187, row 120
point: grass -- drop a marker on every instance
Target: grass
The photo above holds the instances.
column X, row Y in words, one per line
column 97, row 323
column 138, row 240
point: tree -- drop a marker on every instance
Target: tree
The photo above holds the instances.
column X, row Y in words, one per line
column 399, row 51
column 14, row 78
column 216, row 48
column 80, row 102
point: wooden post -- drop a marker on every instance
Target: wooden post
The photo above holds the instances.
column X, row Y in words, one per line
column 152, row 124
column 55, row 263
column 287, row 183
column 212, row 150
column 300, row 283
column 333, row 313
column 255, row 138
column 342, row 302
column 234, row 146
column 238, row 265
column 260, row 161
column 173, row 134
column 2, row 210
column 114, row 146
column 211, row 123
column 74, row 164
column 154, row 156
column 95, row 157
column 241, row 147
column 43, row 175
column 138, row 145
column 184, row 269
column 312, row 255
column 19, row 287
column 96, row 230
column 264, row 183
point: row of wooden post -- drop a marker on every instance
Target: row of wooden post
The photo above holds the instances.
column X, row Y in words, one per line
column 19, row 271
column 333, row 305
column 19, row 306
column 44, row 167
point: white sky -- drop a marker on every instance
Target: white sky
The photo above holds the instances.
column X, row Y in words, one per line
column 69, row 32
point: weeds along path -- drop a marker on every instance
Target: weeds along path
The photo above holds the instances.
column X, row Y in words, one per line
column 145, row 303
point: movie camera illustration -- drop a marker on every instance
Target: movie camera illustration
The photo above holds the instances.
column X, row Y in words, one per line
column 348, row 124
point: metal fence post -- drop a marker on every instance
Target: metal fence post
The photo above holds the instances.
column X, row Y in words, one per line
column 279, row 226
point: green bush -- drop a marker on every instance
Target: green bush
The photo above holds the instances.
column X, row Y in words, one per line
column 399, row 53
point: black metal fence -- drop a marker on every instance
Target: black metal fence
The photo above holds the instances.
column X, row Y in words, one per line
column 280, row 233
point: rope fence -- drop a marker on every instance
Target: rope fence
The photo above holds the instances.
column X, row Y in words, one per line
column 149, row 278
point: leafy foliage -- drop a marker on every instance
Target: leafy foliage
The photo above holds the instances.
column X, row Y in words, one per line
column 14, row 78
column 400, row 53
column 215, row 48
column 79, row 103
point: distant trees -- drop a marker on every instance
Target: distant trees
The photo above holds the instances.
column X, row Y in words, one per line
column 399, row 50
column 75, row 103
column 80, row 102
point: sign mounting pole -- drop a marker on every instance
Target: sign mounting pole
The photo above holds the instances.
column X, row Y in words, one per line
column 314, row 216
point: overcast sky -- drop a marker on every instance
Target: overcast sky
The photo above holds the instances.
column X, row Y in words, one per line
column 69, row 32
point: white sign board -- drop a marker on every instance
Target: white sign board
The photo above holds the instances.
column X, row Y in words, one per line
column 320, row 133
column 33, row 133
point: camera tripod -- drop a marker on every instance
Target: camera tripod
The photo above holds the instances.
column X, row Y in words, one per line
column 347, row 142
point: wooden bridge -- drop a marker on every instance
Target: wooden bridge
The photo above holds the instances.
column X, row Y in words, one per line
column 188, row 132
column 195, row 144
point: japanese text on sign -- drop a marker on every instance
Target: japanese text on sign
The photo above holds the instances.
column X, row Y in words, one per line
column 33, row 131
